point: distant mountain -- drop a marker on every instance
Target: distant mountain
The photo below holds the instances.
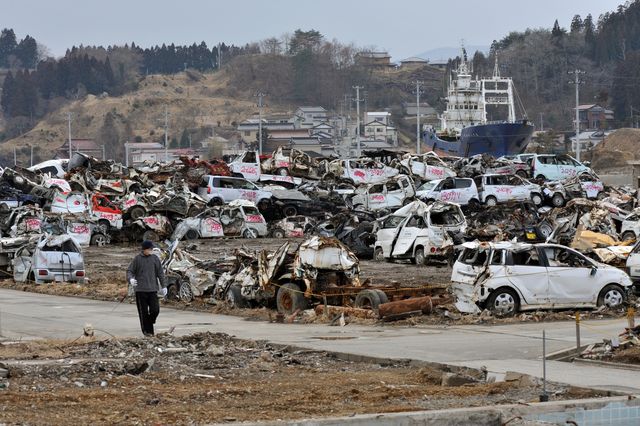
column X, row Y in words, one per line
column 451, row 52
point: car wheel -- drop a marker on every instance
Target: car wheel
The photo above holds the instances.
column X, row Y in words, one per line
column 419, row 257
column 378, row 255
column 104, row 224
column 290, row 299
column 503, row 302
column 136, row 212
column 383, row 296
column 282, row 172
column 173, row 293
column 185, row 292
column 289, row 211
column 628, row 236
column 522, row 174
column 367, row 299
column 150, row 235
column 612, row 296
column 537, row 199
column 250, row 233
column 601, row 196
column 541, row 177
column 278, row 233
column 215, row 202
column 491, row 201
column 557, row 200
column 545, row 229
column 234, row 299
column 99, row 240
column 263, row 205
column 191, row 234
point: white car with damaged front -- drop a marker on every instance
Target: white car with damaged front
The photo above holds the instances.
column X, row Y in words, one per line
column 508, row 277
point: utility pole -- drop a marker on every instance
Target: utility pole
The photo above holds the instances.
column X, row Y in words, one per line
column 358, row 117
column 219, row 56
column 104, row 153
column 166, row 132
column 31, row 155
column 418, row 132
column 260, row 96
column 69, row 122
column 541, row 123
column 577, row 83
column 15, row 157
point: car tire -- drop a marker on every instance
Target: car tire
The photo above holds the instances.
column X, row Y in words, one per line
column 536, row 199
column 419, row 257
column 105, row 224
column 191, row 234
column 491, row 201
column 290, row 299
column 545, row 229
column 233, row 298
column 185, row 293
column 522, row 174
column 250, row 233
column 367, row 299
column 557, row 200
column 99, row 240
column 628, row 236
column 173, row 292
column 289, row 211
column 503, row 302
column 612, row 296
column 541, row 177
column 383, row 296
column 136, row 212
column 150, row 235
column 282, row 172
column 378, row 255
column 278, row 233
column 215, row 202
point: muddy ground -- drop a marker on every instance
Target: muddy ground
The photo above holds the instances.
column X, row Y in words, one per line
column 106, row 268
column 208, row 377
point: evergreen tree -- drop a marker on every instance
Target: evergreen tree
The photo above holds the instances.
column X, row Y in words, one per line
column 8, row 46
column 557, row 31
column 27, row 52
column 576, row 24
column 8, row 89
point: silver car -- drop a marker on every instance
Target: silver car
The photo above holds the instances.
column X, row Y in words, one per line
column 54, row 258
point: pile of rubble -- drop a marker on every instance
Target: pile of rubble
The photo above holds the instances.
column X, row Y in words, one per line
column 624, row 348
column 389, row 206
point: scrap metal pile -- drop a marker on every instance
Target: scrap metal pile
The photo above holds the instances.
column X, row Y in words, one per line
column 389, row 206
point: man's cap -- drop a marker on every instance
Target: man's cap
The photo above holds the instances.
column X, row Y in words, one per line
column 146, row 244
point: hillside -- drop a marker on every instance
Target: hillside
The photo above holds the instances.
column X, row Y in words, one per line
column 193, row 100
column 617, row 148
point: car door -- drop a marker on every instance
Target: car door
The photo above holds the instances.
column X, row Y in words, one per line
column 519, row 188
column 446, row 191
column 410, row 230
column 394, row 193
column 386, row 235
column 247, row 165
column 225, row 188
column 570, row 279
column 547, row 166
column 464, row 188
column 566, row 167
column 527, row 272
column 376, row 197
column 501, row 188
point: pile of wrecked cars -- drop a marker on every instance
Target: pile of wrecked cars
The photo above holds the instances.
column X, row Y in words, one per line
column 491, row 219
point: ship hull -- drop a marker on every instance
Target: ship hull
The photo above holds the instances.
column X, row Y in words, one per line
column 495, row 139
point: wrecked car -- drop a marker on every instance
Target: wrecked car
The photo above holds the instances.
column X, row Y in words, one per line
column 242, row 218
column 486, row 164
column 494, row 189
column 462, row 191
column 205, row 225
column 217, row 190
column 393, row 193
column 53, row 258
column 98, row 208
column 362, row 170
column 425, row 167
column 248, row 165
column 630, row 229
column 556, row 167
column 507, row 277
column 418, row 232
column 319, row 265
column 291, row 227
column 151, row 228
column 353, row 231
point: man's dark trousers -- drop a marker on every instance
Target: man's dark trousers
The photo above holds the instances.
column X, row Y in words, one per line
column 148, row 310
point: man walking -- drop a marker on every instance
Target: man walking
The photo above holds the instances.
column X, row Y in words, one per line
column 144, row 275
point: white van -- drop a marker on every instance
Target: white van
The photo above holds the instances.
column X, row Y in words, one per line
column 494, row 189
column 418, row 231
column 392, row 194
column 556, row 167
column 217, row 190
column 55, row 168
column 461, row 191
column 362, row 170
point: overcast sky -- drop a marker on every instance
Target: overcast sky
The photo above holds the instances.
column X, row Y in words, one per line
column 402, row 27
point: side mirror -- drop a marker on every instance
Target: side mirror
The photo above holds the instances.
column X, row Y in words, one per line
column 594, row 269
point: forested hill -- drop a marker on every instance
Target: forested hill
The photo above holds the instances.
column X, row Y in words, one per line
column 306, row 67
